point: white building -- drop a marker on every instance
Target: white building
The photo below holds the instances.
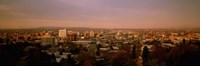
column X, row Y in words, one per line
column 62, row 33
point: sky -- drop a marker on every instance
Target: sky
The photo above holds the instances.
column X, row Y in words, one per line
column 100, row 13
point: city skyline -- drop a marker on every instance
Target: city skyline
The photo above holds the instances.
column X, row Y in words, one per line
column 99, row 13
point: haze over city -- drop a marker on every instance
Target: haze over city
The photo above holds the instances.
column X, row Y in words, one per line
column 99, row 32
column 100, row 13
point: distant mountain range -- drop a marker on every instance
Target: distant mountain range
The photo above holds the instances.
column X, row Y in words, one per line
column 80, row 29
column 90, row 29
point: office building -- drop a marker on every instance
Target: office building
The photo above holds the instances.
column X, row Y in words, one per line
column 62, row 33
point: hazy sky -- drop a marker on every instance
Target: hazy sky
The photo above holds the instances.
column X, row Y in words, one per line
column 100, row 13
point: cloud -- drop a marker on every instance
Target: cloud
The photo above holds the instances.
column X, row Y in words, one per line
column 10, row 12
column 4, row 7
column 100, row 13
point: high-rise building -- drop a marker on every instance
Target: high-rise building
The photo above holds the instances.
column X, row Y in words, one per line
column 85, row 34
column 62, row 33
column 92, row 34
column 71, row 37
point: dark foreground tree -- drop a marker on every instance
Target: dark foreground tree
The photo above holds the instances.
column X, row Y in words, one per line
column 134, row 52
column 145, row 54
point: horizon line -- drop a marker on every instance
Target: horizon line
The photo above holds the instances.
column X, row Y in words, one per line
column 92, row 28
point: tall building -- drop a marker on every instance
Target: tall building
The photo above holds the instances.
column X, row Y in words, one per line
column 71, row 36
column 85, row 34
column 92, row 34
column 62, row 33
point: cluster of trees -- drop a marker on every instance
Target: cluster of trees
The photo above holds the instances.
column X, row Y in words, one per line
column 181, row 55
column 24, row 55
column 110, row 59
